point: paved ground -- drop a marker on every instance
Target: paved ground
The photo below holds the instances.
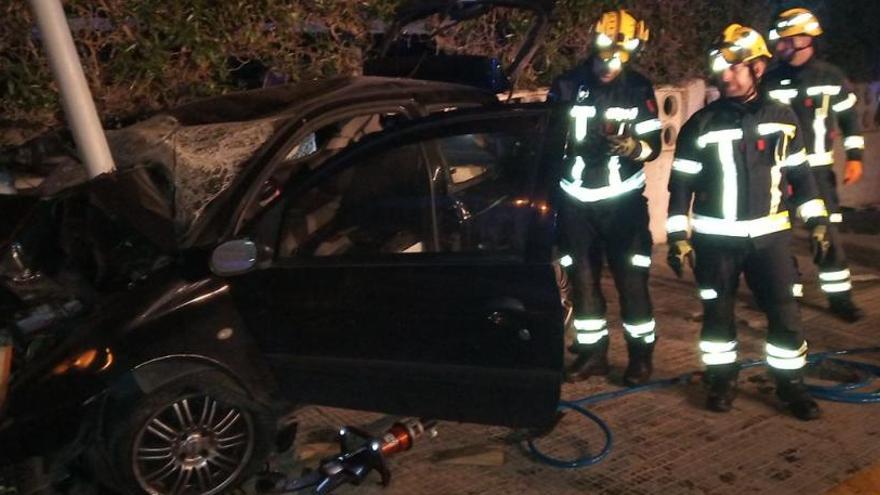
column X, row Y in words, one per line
column 665, row 442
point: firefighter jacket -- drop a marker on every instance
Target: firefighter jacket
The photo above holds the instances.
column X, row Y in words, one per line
column 823, row 101
column 730, row 160
column 624, row 106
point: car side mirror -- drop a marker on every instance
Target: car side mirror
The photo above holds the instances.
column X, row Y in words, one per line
column 234, row 257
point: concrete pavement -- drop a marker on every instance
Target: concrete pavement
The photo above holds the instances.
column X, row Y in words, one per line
column 665, row 441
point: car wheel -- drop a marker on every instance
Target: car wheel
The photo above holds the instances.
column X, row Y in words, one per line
column 198, row 435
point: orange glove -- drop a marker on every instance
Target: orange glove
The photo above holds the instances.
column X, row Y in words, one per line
column 853, row 172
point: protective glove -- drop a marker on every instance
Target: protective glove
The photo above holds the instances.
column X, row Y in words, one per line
column 820, row 244
column 680, row 252
column 624, row 146
column 852, row 173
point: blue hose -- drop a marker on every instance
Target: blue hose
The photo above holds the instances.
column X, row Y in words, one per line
column 847, row 393
column 581, row 461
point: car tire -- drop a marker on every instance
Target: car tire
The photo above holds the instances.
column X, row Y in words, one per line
column 200, row 434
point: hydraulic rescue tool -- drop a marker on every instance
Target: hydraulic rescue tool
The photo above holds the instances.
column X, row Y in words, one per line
column 360, row 453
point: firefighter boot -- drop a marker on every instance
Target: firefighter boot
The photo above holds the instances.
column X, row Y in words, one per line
column 792, row 391
column 720, row 382
column 640, row 366
column 843, row 306
column 592, row 360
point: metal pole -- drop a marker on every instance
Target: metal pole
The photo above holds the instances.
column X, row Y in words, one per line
column 75, row 95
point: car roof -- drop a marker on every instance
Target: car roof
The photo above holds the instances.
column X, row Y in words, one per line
column 292, row 100
column 207, row 147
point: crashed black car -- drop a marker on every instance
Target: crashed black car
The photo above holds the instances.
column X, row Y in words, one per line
column 373, row 243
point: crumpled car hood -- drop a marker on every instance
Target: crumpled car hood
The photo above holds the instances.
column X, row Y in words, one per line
column 199, row 161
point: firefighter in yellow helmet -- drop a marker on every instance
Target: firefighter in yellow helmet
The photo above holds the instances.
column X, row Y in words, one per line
column 823, row 101
column 730, row 162
column 614, row 131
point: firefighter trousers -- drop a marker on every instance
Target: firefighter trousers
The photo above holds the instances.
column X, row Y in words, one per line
column 615, row 230
column 769, row 274
column 834, row 275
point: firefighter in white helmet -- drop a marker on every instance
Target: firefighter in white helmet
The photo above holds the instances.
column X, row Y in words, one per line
column 731, row 159
column 614, row 131
column 823, row 101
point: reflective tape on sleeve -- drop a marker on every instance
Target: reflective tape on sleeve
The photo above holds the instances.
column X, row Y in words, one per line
column 686, row 166
column 677, row 223
column 854, row 143
column 812, row 209
column 647, row 126
column 846, row 104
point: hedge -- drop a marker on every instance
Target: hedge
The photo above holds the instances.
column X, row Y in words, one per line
column 142, row 55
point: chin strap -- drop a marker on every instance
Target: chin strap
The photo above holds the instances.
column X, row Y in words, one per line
column 809, row 45
column 753, row 91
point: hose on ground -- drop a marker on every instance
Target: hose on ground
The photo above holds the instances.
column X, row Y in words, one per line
column 849, row 392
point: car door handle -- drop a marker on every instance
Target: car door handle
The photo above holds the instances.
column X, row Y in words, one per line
column 503, row 311
column 506, row 304
column 503, row 319
column 497, row 318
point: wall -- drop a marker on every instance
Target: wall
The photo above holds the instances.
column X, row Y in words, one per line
column 677, row 104
column 865, row 193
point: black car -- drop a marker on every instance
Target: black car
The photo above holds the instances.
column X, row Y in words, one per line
column 372, row 243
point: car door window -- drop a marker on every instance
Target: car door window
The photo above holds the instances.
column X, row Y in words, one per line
column 489, row 185
column 303, row 153
column 457, row 188
column 380, row 204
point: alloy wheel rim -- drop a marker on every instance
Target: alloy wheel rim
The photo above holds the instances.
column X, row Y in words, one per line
column 194, row 445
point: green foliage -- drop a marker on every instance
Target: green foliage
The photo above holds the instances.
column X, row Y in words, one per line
column 142, row 55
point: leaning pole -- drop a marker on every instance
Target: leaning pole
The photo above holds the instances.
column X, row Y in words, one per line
column 79, row 107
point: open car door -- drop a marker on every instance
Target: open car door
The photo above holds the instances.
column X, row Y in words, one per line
column 413, row 273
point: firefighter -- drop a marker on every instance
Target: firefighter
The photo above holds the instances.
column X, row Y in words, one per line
column 614, row 131
column 731, row 159
column 823, row 101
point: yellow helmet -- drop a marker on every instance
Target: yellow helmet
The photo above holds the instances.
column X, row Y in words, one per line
column 794, row 22
column 738, row 44
column 619, row 35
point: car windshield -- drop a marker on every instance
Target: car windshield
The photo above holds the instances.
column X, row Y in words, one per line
column 199, row 161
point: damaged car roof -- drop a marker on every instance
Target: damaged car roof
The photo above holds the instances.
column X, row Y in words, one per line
column 197, row 151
